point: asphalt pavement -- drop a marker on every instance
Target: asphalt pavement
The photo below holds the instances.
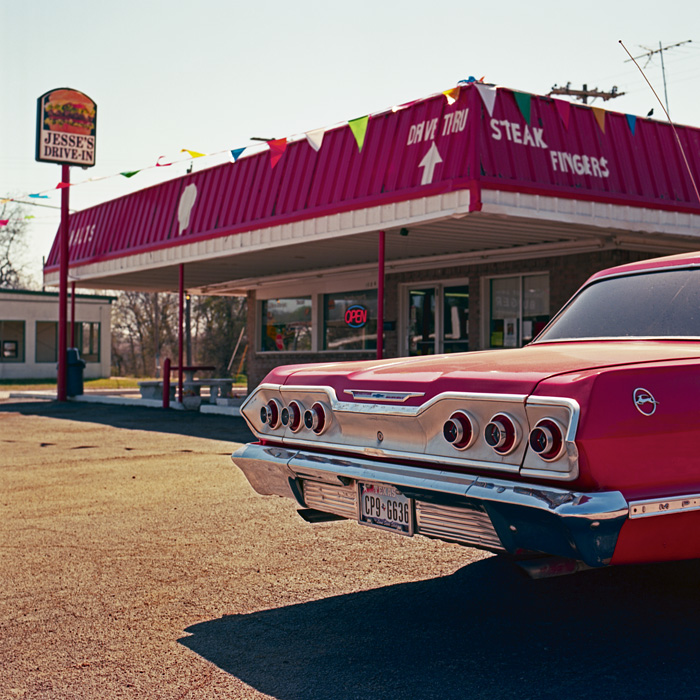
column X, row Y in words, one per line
column 136, row 562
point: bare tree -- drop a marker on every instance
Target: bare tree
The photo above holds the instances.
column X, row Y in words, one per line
column 12, row 245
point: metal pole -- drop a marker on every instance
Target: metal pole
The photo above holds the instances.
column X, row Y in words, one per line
column 180, row 359
column 663, row 73
column 62, row 379
column 73, row 344
column 166, row 383
column 380, row 297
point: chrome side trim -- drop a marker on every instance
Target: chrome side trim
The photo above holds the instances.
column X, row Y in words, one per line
column 667, row 506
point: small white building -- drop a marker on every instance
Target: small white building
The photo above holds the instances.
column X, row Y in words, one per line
column 29, row 334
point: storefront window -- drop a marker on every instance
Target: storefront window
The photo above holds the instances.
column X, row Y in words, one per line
column 350, row 320
column 519, row 309
column 87, row 340
column 286, row 325
column 11, row 341
column 46, row 341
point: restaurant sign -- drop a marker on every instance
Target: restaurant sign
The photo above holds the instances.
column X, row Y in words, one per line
column 65, row 128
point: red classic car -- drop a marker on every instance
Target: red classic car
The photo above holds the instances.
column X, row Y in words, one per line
column 584, row 445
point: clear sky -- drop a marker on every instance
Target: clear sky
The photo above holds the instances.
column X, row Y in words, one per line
column 207, row 76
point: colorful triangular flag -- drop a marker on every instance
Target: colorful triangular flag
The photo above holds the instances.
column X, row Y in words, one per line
column 39, row 196
column 315, row 138
column 277, row 148
column 62, row 185
column 162, row 165
column 452, row 95
column 194, row 154
column 564, row 110
column 631, row 122
column 236, row 153
column 359, row 130
column 4, row 222
column 130, row 173
column 488, row 96
column 599, row 114
column 524, row 102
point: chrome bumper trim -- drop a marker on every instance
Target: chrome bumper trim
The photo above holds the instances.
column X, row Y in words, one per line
column 552, row 520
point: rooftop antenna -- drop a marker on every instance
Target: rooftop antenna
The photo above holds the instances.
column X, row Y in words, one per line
column 649, row 55
column 675, row 132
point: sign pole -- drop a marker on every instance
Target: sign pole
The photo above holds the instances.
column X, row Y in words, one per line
column 62, row 381
column 380, row 297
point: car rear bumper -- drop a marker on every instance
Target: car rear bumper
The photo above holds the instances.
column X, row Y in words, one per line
column 495, row 514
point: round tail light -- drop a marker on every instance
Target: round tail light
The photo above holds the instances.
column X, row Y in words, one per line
column 547, row 439
column 315, row 418
column 459, row 430
column 271, row 414
column 292, row 416
column 502, row 434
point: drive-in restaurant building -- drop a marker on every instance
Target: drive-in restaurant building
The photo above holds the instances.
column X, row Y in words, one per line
column 458, row 222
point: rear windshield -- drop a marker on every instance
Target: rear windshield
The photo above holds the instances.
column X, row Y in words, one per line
column 651, row 305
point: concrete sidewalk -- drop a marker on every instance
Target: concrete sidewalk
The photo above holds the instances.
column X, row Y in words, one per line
column 128, row 397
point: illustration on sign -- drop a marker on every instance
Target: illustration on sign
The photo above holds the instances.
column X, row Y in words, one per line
column 66, row 128
column 187, row 200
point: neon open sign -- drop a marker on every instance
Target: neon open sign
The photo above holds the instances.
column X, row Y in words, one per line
column 356, row 316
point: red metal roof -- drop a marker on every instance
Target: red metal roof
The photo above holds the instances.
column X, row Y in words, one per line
column 623, row 161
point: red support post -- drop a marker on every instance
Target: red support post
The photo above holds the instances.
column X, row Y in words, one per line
column 62, row 378
column 166, row 383
column 180, row 359
column 380, row 297
column 71, row 339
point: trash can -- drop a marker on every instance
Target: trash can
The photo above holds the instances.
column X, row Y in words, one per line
column 74, row 371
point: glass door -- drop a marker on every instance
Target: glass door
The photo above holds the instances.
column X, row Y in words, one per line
column 421, row 321
column 438, row 319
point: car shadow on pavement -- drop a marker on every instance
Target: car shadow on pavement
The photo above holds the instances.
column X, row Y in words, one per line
column 484, row 632
column 192, row 423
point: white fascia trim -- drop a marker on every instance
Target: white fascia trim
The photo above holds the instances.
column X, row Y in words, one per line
column 587, row 213
column 386, row 216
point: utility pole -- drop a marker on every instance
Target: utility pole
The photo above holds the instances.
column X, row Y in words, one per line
column 585, row 93
column 650, row 54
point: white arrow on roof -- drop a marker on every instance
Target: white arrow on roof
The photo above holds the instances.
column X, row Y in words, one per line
column 430, row 160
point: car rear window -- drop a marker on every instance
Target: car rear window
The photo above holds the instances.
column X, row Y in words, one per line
column 649, row 305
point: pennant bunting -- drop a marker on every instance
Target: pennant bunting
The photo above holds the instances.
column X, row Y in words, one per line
column 130, row 173
column 162, row 165
column 62, row 185
column 236, row 153
column 30, row 216
column 4, row 222
column 452, row 95
column 599, row 114
column 524, row 101
column 194, row 154
column 488, row 96
column 564, row 110
column 631, row 122
column 315, row 138
column 359, row 130
column 39, row 196
column 277, row 148
column 5, row 201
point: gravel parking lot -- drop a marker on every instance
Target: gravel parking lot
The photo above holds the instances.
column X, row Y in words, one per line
column 136, row 562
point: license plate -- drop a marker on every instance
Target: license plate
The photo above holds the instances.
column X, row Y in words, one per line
column 382, row 506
